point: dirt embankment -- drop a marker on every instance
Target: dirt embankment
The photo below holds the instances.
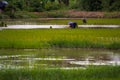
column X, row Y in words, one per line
column 80, row 14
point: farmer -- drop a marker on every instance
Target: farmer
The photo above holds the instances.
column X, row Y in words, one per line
column 73, row 25
column 84, row 20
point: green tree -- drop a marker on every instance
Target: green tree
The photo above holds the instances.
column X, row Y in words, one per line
column 85, row 5
column 111, row 5
column 115, row 6
column 90, row 5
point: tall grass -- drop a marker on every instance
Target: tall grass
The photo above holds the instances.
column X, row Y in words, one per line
column 92, row 73
column 65, row 38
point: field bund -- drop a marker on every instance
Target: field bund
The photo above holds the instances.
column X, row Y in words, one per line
column 57, row 26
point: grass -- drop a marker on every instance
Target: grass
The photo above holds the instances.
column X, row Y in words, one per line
column 95, row 21
column 61, row 38
column 91, row 73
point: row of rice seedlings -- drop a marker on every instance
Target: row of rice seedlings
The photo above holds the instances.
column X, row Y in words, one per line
column 115, row 21
column 45, row 38
column 89, row 21
column 91, row 73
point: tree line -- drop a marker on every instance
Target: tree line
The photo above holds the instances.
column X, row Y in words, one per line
column 37, row 5
column 99, row 5
column 46, row 5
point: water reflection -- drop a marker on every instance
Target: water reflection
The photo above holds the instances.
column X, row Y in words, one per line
column 35, row 26
column 47, row 23
column 57, row 58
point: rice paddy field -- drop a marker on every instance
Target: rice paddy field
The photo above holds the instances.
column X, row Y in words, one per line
column 91, row 73
column 54, row 64
column 89, row 21
column 60, row 38
column 64, row 21
column 22, row 47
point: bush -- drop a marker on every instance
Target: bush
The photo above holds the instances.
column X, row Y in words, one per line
column 3, row 16
column 90, row 5
column 52, row 6
column 111, row 5
column 115, row 6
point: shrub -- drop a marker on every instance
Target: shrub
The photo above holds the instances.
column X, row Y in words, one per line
column 52, row 6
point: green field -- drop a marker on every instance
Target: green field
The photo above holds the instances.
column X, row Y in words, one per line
column 91, row 73
column 60, row 38
column 61, row 21
column 95, row 21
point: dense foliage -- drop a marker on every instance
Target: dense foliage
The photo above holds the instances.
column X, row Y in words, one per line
column 18, row 8
column 45, row 5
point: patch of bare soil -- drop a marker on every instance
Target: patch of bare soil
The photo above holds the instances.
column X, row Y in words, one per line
column 81, row 14
column 78, row 14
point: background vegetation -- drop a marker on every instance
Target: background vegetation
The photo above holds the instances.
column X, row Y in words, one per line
column 16, row 7
column 43, row 5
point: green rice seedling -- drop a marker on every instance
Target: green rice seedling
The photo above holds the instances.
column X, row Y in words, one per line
column 91, row 73
column 66, row 38
column 90, row 21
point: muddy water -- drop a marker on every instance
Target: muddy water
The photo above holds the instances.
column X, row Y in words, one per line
column 57, row 58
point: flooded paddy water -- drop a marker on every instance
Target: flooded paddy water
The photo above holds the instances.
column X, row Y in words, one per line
column 48, row 23
column 57, row 26
column 57, row 58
